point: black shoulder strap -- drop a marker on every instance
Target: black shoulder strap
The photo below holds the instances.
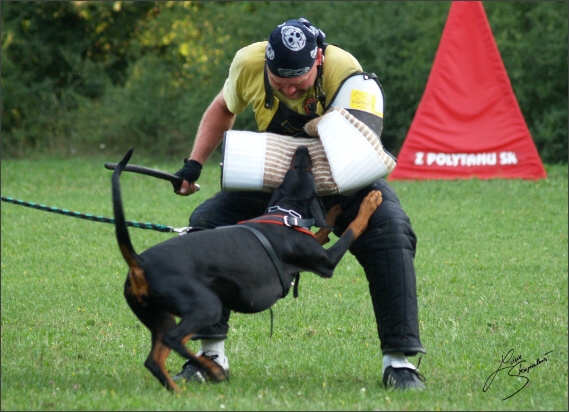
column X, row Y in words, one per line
column 272, row 254
column 318, row 92
column 268, row 90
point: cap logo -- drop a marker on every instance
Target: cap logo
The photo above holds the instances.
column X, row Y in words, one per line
column 270, row 52
column 314, row 52
column 292, row 48
column 315, row 31
column 293, row 38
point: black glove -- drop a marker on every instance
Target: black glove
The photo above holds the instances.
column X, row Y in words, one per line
column 191, row 172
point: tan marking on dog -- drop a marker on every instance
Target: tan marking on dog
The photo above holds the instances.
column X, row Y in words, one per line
column 160, row 353
column 331, row 217
column 367, row 207
column 138, row 283
column 214, row 371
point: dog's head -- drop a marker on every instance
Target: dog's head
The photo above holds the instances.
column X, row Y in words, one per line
column 298, row 189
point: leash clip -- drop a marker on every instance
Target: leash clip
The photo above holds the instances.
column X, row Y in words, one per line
column 182, row 230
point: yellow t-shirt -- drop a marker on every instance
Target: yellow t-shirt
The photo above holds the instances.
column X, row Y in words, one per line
column 245, row 84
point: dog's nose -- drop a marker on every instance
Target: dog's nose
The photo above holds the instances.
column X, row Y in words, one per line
column 301, row 158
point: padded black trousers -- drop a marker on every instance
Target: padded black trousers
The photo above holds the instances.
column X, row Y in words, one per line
column 386, row 251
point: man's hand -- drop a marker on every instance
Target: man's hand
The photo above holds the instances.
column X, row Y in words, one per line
column 311, row 128
column 190, row 173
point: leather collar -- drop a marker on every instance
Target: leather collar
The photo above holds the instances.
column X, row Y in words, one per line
column 294, row 222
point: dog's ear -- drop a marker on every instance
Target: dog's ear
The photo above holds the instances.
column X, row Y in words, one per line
column 318, row 212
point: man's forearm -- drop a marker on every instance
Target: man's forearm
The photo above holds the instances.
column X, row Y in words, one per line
column 216, row 120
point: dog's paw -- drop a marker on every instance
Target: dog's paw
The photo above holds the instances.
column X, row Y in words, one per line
column 217, row 374
column 371, row 202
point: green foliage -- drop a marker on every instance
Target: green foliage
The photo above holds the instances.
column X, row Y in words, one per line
column 78, row 75
column 491, row 270
column 532, row 38
column 57, row 58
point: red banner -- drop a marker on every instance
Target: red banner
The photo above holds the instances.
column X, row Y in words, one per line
column 468, row 123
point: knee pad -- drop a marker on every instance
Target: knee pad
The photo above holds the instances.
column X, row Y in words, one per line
column 385, row 233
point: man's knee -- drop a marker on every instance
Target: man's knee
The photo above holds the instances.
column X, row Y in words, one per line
column 216, row 331
column 203, row 217
column 386, row 233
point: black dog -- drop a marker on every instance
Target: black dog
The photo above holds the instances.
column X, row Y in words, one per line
column 246, row 267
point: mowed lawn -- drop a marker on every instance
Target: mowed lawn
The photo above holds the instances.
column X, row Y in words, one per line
column 491, row 277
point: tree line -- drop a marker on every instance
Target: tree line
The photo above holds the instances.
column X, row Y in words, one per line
column 81, row 76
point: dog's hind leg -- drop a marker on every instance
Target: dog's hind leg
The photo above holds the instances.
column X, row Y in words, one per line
column 212, row 369
column 156, row 360
column 205, row 310
column 158, row 323
column 177, row 340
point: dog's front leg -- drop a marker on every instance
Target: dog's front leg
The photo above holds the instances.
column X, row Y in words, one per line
column 331, row 217
column 370, row 203
column 333, row 255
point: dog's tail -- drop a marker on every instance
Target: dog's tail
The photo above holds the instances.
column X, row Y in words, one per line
column 138, row 281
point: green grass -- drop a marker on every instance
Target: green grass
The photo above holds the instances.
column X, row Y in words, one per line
column 491, row 276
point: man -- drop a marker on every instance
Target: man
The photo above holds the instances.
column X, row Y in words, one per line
column 288, row 80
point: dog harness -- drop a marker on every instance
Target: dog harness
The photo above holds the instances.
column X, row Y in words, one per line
column 293, row 220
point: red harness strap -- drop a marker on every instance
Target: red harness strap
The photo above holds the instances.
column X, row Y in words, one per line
column 278, row 220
